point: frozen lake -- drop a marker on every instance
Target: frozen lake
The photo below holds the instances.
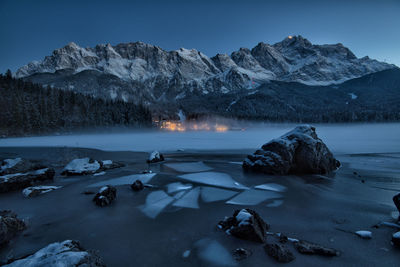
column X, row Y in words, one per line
column 340, row 138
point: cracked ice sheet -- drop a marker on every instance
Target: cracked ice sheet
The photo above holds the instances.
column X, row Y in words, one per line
column 213, row 178
column 212, row 194
column 214, row 253
column 189, row 166
column 155, row 202
column 129, row 179
column 272, row 187
column 189, row 200
column 178, row 186
column 253, row 197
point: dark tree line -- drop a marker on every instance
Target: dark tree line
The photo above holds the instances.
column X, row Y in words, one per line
column 27, row 108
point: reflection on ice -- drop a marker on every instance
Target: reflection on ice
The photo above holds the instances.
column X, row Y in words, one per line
column 213, row 178
column 189, row 166
column 175, row 187
column 214, row 253
column 129, row 179
column 211, row 194
column 253, row 197
column 155, row 202
column 179, row 194
column 189, row 200
column 272, row 187
column 275, row 203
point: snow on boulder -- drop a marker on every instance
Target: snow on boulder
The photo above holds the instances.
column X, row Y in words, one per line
column 81, row 166
column 85, row 166
column 299, row 151
column 34, row 191
column 68, row 253
column 155, row 156
column 15, row 181
column 245, row 224
column 10, row 225
column 364, row 234
column 105, row 195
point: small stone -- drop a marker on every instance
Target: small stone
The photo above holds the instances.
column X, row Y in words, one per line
column 305, row 247
column 105, row 195
column 241, row 254
column 137, row 185
column 279, row 252
column 396, row 239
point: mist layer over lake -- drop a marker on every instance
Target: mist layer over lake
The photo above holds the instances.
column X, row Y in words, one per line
column 340, row 138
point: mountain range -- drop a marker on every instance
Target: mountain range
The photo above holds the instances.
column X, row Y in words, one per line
column 169, row 80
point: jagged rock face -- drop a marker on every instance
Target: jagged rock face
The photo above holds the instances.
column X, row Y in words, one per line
column 299, row 151
column 134, row 71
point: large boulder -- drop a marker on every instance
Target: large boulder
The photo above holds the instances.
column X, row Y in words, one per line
column 16, row 181
column 67, row 253
column 105, row 195
column 10, row 225
column 299, row 151
column 245, row 224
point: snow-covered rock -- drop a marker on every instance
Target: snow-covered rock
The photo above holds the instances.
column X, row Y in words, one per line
column 364, row 234
column 15, row 181
column 34, row 191
column 155, row 156
column 245, row 224
column 68, row 253
column 298, row 151
column 81, row 166
column 10, row 225
column 105, row 195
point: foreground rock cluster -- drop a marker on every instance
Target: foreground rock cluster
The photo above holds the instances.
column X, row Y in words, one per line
column 299, row 151
column 20, row 173
column 248, row 225
column 67, row 253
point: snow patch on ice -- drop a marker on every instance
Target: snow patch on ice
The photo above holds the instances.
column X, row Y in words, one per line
column 272, row 187
column 178, row 186
column 364, row 234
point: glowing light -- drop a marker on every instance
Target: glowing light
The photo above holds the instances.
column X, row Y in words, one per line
column 290, row 37
column 221, row 128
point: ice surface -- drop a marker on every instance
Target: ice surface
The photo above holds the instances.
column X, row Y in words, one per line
column 82, row 165
column 272, row 187
column 189, row 200
column 129, row 179
column 55, row 254
column 275, row 203
column 188, row 166
column 253, row 197
column 211, row 194
column 179, row 194
column 236, row 162
column 178, row 186
column 214, row 253
column 340, row 138
column 213, row 178
column 155, row 202
column 9, row 163
column 99, row 173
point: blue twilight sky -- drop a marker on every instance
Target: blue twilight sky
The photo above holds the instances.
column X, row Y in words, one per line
column 30, row 30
